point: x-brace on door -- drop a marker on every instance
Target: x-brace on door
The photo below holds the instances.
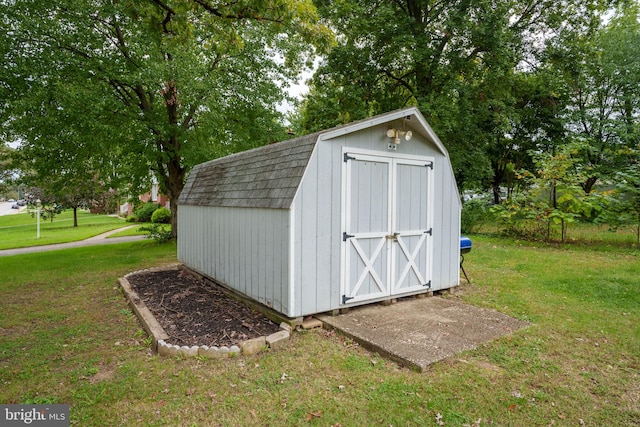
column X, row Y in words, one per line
column 387, row 233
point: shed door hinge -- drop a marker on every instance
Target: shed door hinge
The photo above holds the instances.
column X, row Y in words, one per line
column 347, row 157
column 429, row 165
column 429, row 232
column 346, row 236
column 428, row 284
column 345, row 299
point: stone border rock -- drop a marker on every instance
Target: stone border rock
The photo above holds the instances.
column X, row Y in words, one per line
column 159, row 335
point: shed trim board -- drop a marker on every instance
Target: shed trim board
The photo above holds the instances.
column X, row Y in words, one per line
column 398, row 251
column 292, row 273
column 406, row 114
column 272, row 222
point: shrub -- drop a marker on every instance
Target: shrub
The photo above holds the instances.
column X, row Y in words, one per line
column 475, row 213
column 161, row 216
column 143, row 214
column 160, row 233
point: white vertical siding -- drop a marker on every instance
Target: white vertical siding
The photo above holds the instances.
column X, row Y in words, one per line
column 446, row 230
column 317, row 211
column 246, row 249
column 313, row 210
column 318, row 207
column 291, row 259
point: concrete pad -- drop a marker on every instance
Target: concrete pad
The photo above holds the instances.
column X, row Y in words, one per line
column 419, row 332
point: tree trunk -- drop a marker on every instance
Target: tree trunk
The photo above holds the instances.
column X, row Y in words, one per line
column 173, row 184
column 75, row 217
column 587, row 186
column 175, row 171
column 496, row 194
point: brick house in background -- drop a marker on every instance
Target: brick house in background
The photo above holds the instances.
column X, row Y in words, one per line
column 153, row 196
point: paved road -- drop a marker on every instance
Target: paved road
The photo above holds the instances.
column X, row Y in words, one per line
column 92, row 241
column 5, row 208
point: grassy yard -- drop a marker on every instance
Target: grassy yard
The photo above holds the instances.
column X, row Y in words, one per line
column 20, row 230
column 67, row 336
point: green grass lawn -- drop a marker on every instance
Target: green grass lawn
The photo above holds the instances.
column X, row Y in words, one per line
column 20, row 230
column 67, row 336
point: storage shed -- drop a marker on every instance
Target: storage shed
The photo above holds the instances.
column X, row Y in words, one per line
column 360, row 213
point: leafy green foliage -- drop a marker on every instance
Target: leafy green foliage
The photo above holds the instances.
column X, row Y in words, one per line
column 161, row 216
column 553, row 197
column 469, row 67
column 145, row 212
column 626, row 207
column 49, row 205
column 475, row 213
column 600, row 72
column 157, row 232
column 111, row 91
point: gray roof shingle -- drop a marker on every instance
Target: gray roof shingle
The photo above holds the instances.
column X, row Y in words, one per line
column 265, row 177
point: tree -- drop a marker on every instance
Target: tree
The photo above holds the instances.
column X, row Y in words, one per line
column 66, row 170
column 49, row 206
column 601, row 71
column 552, row 196
column 6, row 170
column 458, row 61
column 626, row 206
column 152, row 85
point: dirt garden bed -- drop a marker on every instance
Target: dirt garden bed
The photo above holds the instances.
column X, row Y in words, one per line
column 193, row 313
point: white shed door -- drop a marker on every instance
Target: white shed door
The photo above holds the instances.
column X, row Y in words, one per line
column 387, row 232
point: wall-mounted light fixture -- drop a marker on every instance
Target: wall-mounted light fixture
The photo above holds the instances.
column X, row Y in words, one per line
column 397, row 134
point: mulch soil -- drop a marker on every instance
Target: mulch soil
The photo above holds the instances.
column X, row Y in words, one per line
column 196, row 313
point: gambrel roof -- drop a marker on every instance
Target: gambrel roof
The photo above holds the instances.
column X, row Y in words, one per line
column 269, row 176
column 266, row 177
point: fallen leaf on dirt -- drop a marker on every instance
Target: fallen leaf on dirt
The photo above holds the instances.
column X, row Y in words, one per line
column 312, row 415
column 284, row 403
column 337, row 425
column 476, row 424
column 561, row 416
column 374, row 362
column 340, row 387
column 511, row 407
column 190, row 391
column 439, row 419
